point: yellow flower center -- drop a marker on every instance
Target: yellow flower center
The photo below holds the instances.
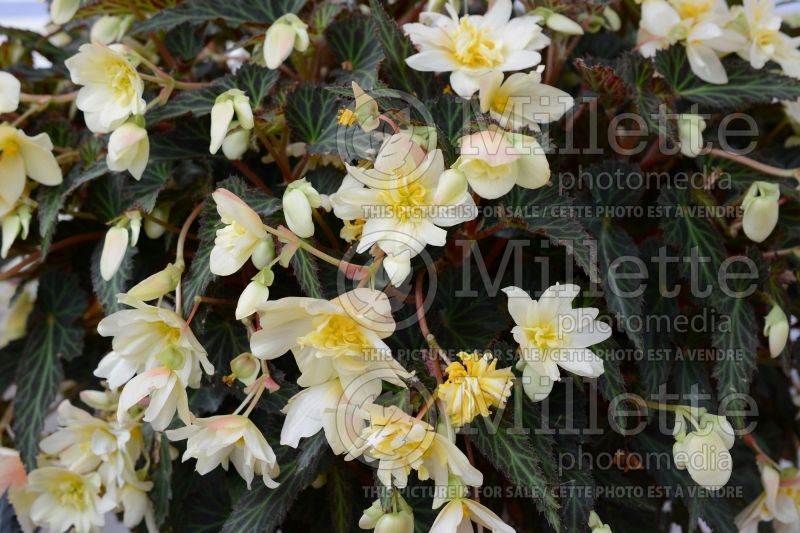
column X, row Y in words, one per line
column 120, row 78
column 405, row 202
column 70, row 493
column 765, row 38
column 500, row 102
column 544, row 336
column 10, row 148
column 693, row 8
column 346, row 117
column 338, row 331
column 168, row 333
column 476, row 47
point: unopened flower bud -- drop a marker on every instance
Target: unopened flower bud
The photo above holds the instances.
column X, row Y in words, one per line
column 401, row 521
column 264, row 253
column 171, row 357
column 24, row 214
column 366, row 109
column 452, row 186
column 9, row 93
column 760, row 210
column 233, row 101
column 298, row 200
column 286, row 34
column 597, row 525
column 153, row 229
column 561, row 24
column 690, row 134
column 256, row 293
column 613, row 21
column 114, row 248
column 129, row 148
column 157, row 285
column 245, row 367
column 62, row 11
column 236, row 144
column 100, row 400
column 704, row 452
column 776, row 329
column 11, row 227
column 110, row 29
column 135, row 218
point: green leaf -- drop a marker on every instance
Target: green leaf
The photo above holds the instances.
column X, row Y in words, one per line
column 10, row 356
column 122, row 7
column 746, row 86
column 396, row 48
column 107, row 291
column 233, row 13
column 52, row 334
column 352, row 41
column 161, row 477
column 107, row 198
column 311, row 115
column 307, row 272
column 204, row 505
column 452, row 116
column 577, row 486
column 511, row 453
column 339, row 498
column 184, row 41
column 262, row 509
column 143, row 193
column 323, row 14
column 254, row 80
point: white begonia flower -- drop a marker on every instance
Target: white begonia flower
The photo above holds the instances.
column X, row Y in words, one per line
column 759, row 22
column 111, row 29
column 9, row 92
column 597, row 525
column 340, row 338
column 399, row 521
column 397, row 197
column 232, row 101
column 129, row 149
column 703, row 452
column 63, row 499
column 690, row 134
column 236, row 142
column 552, row 334
column 699, row 24
column 761, row 208
column 776, row 329
column 400, row 443
column 777, row 504
column 471, row 46
column 115, row 247
column 112, row 88
column 22, row 156
column 255, row 294
column 299, row 199
column 225, row 439
column 157, row 285
column 167, row 396
column 493, row 161
column 135, row 504
column 459, row 513
column 241, row 236
column 366, row 109
column 62, row 11
column 319, row 407
column 148, row 337
column 522, row 100
column 286, row 34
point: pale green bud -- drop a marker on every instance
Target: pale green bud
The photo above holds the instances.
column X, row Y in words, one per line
column 245, row 367
column 171, row 357
column 760, row 210
column 157, row 285
column 152, row 229
column 776, row 329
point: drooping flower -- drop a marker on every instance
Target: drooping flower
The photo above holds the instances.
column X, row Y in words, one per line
column 22, row 156
column 167, row 395
column 9, row 92
column 761, row 208
column 704, row 450
column 777, row 504
column 115, row 246
column 112, row 88
column 341, row 338
column 522, row 100
column 255, row 294
column 157, row 285
column 242, row 234
column 472, row 46
column 236, row 142
column 473, row 386
column 551, row 334
column 397, row 199
column 460, row 511
column 64, row 499
column 759, row 22
column 286, row 34
column 298, row 201
column 225, row 439
column 128, row 149
column 690, row 134
column 232, row 101
column 493, row 161
column 776, row 329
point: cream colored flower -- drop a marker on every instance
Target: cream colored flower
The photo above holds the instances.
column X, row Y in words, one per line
column 157, row 285
column 148, row 337
column 66, row 499
column 597, row 525
column 224, row 439
column 242, row 234
column 9, row 92
column 128, row 149
column 690, row 134
column 704, row 450
column 759, row 22
column 779, row 503
column 341, row 338
column 115, row 246
column 22, row 156
column 551, row 334
column 112, row 88
column 473, row 386
column 298, row 201
column 776, row 329
column 473, row 45
column 761, row 208
column 286, row 34
column 400, row 443
column 167, row 395
column 493, row 161
column 522, row 100
column 459, row 512
column 232, row 101
column 255, row 294
column 397, row 199
column 110, row 29
column 15, row 224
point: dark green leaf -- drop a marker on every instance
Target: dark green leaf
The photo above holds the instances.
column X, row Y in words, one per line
column 233, row 13
column 352, row 40
column 184, row 41
column 143, row 193
column 311, row 115
column 162, row 481
column 340, row 499
column 306, row 269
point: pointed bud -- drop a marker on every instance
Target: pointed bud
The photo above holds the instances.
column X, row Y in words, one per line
column 760, row 210
column 613, row 21
column 690, row 134
column 129, row 149
column 231, row 102
column 24, row 214
column 255, row 294
column 157, row 285
column 597, row 525
column 62, row 11
column 11, row 227
column 135, row 218
column 245, row 367
column 264, row 253
column 286, row 34
column 153, row 229
column 451, row 188
column 298, row 200
column 114, row 248
column 366, row 109
column 110, row 29
column 236, row 144
column 9, row 93
column 561, row 24
column 776, row 329
column 100, row 400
